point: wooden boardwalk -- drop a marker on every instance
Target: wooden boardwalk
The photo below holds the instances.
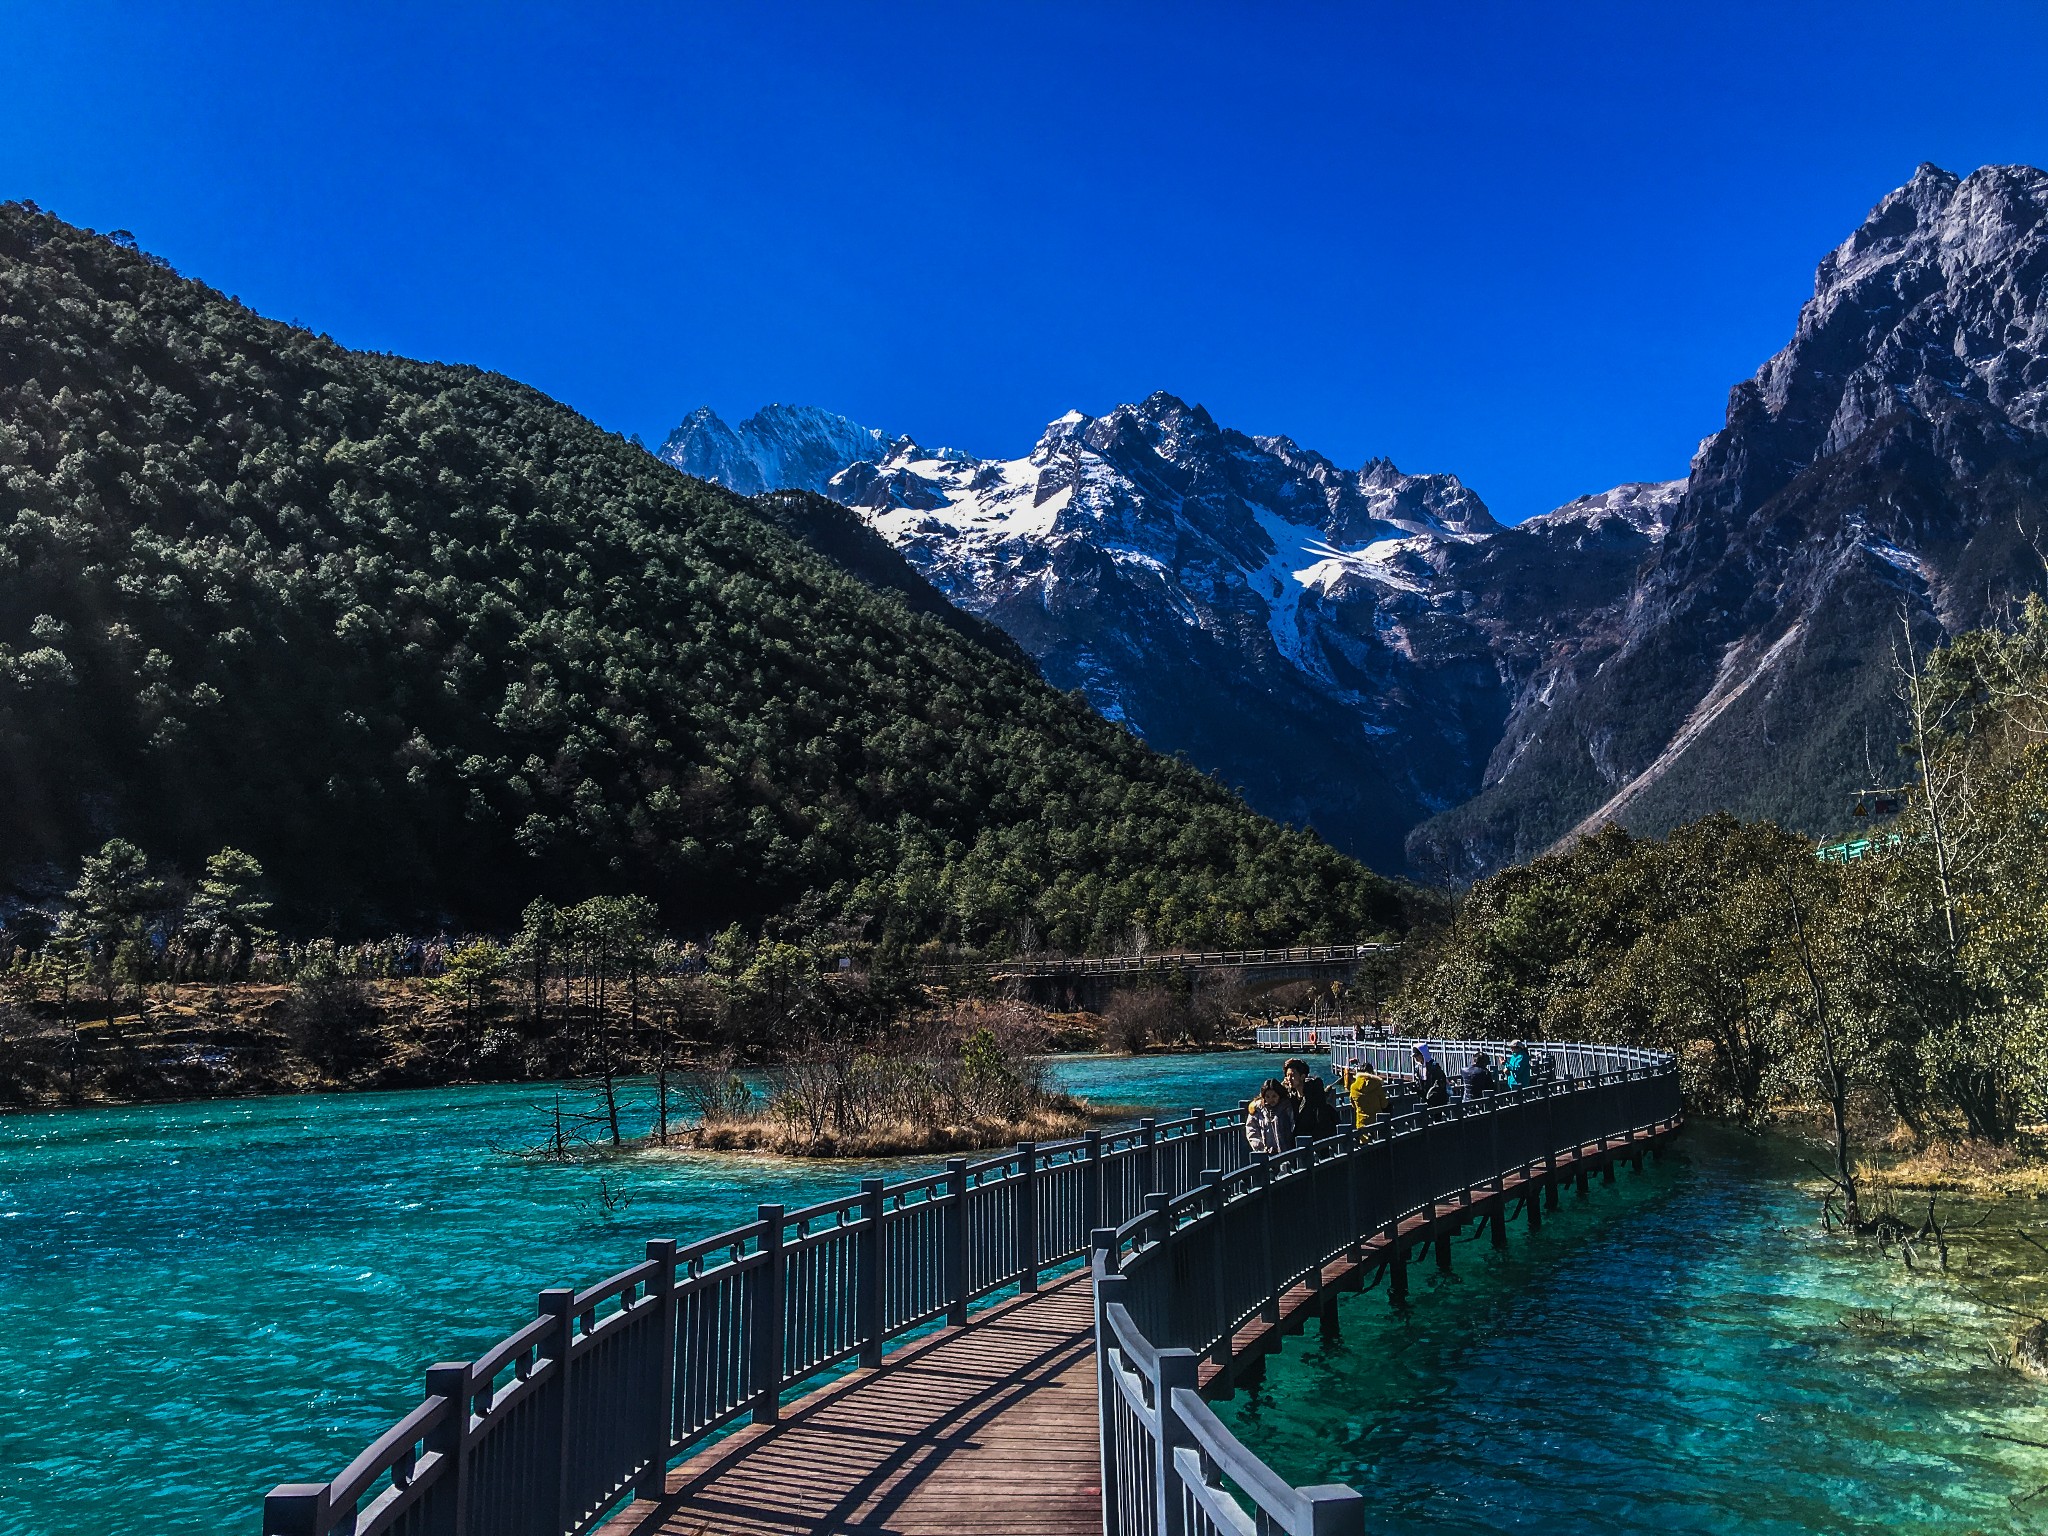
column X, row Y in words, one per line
column 989, row 1428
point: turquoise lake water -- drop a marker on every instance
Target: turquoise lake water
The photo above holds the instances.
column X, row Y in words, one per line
column 202, row 1300
column 1679, row 1353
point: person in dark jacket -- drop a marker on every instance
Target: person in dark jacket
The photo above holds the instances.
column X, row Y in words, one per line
column 1479, row 1078
column 1430, row 1079
column 1314, row 1115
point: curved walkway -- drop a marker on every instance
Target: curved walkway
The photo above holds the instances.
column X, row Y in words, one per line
column 988, row 1427
column 991, row 1427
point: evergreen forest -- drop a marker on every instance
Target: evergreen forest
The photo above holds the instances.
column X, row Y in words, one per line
column 421, row 644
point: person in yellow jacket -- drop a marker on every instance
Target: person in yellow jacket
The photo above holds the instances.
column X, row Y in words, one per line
column 1368, row 1091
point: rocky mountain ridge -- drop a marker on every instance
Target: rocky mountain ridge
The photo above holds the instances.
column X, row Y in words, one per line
column 1372, row 653
column 1304, row 630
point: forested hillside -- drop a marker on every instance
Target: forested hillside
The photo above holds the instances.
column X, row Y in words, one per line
column 426, row 643
column 1906, row 986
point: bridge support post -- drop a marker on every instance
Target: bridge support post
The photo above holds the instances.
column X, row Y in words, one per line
column 1027, row 1216
column 1443, row 1254
column 768, row 1341
column 869, row 1303
column 956, row 1241
column 661, row 1391
column 1497, row 1223
column 1532, row 1202
column 557, row 1302
column 451, row 1441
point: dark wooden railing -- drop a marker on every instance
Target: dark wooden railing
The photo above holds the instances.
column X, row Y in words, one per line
column 554, row 1427
column 1176, row 1284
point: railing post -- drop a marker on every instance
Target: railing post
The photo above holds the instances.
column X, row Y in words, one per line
column 1107, row 1284
column 956, row 1241
column 874, row 1270
column 1091, row 1181
column 1148, row 1131
column 1313, row 1172
column 294, row 1509
column 450, row 1441
column 1351, row 1149
column 653, row 1482
column 1199, row 1129
column 1177, row 1373
column 1269, row 1308
column 1027, row 1216
column 1550, row 1145
column 558, row 1302
column 1212, row 1180
column 769, row 1346
column 1397, row 1253
column 1334, row 1510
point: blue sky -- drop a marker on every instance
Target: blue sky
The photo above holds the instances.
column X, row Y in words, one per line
column 1532, row 245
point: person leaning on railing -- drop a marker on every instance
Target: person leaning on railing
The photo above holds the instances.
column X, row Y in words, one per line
column 1431, row 1082
column 1367, row 1091
column 1517, row 1069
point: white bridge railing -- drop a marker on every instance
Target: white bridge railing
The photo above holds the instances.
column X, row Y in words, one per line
column 1306, row 1037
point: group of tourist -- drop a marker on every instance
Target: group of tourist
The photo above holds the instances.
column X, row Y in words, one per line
column 1298, row 1103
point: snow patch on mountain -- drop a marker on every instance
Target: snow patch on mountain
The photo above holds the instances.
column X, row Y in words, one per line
column 1646, row 506
column 778, row 448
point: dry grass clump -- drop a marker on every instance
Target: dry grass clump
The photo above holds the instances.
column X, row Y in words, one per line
column 969, row 1078
column 899, row 1136
column 1959, row 1167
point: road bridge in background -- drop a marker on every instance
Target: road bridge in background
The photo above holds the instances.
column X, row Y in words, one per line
column 1086, row 979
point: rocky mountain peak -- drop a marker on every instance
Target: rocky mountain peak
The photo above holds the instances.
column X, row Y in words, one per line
column 780, row 447
column 1371, row 652
column 1942, row 291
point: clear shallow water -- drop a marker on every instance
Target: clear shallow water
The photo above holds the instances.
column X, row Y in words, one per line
column 202, row 1300
column 1680, row 1353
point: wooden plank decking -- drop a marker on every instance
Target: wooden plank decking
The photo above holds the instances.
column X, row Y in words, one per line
column 988, row 1428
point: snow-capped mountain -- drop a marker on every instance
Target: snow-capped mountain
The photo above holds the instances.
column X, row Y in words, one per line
column 1284, row 622
column 778, row 448
column 1371, row 652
